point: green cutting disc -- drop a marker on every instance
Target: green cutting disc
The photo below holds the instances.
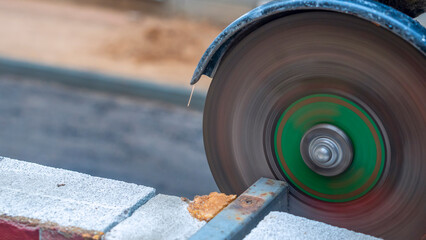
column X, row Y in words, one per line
column 368, row 161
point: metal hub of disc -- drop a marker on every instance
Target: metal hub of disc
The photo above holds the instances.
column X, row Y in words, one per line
column 326, row 150
column 332, row 104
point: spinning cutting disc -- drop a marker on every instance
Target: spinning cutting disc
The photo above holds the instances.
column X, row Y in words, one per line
column 334, row 105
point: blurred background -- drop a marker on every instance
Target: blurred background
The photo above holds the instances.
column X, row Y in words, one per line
column 51, row 114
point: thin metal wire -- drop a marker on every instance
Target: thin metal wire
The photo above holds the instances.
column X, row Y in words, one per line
column 190, row 97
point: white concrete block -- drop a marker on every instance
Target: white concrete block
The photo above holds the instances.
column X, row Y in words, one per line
column 65, row 197
column 162, row 217
column 281, row 225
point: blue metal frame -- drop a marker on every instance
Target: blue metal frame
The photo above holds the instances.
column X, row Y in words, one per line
column 245, row 212
column 380, row 14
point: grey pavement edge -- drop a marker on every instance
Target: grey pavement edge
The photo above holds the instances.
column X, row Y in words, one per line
column 103, row 82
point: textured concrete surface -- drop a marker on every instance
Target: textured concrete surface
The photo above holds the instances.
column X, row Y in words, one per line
column 281, row 225
column 104, row 135
column 66, row 198
column 162, row 217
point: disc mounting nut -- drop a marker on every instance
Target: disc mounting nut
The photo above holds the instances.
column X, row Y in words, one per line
column 326, row 150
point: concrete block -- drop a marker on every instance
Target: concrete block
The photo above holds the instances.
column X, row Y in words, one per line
column 162, row 217
column 281, row 225
column 66, row 198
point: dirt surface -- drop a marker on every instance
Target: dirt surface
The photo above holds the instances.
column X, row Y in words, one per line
column 206, row 207
column 128, row 43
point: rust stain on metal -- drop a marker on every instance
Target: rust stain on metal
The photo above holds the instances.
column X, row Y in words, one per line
column 247, row 204
column 270, row 182
column 266, row 194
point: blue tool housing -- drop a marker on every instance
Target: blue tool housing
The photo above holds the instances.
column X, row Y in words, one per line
column 381, row 15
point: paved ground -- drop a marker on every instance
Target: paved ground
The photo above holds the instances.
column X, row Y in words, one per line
column 110, row 136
